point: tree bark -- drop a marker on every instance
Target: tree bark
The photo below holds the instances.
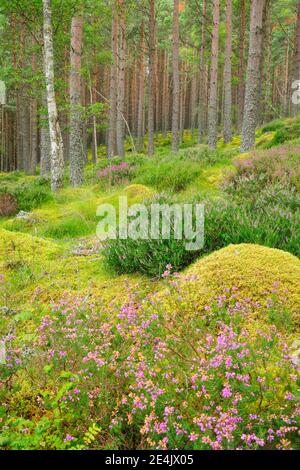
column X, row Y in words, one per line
column 76, row 143
column 176, row 79
column 296, row 62
column 121, row 79
column 140, row 126
column 112, row 137
column 213, row 99
column 228, row 76
column 151, row 99
column 241, row 69
column 57, row 153
column 45, row 143
column 33, row 125
column 202, row 96
column 252, row 93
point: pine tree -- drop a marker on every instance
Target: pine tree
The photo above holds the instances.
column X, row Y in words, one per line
column 213, row 99
column 252, row 93
column 176, row 82
column 76, row 130
column 228, row 75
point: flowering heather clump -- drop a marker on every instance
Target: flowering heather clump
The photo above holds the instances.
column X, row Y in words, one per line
column 277, row 165
column 115, row 173
column 150, row 378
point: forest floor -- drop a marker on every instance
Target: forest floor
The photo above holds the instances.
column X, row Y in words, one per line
column 49, row 252
column 57, row 240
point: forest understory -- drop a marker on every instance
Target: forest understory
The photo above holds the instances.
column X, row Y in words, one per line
column 131, row 343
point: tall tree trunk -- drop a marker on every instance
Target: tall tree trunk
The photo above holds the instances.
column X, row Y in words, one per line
column 76, row 144
column 213, row 99
column 296, row 64
column 45, row 143
column 33, row 124
column 112, row 133
column 252, row 93
column 193, row 97
column 286, row 81
column 182, row 101
column 176, row 79
column 57, row 152
column 265, row 60
column 228, row 76
column 141, row 99
column 151, row 99
column 241, row 69
column 165, row 97
column 202, row 92
column 121, row 79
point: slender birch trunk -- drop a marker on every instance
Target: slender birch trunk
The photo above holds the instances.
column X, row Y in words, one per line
column 57, row 152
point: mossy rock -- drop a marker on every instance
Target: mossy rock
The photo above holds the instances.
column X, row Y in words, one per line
column 258, row 273
column 23, row 247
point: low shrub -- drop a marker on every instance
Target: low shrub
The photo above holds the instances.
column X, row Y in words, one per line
column 262, row 221
column 149, row 377
column 171, row 175
column 264, row 168
column 30, row 195
column 272, row 219
column 148, row 256
column 290, row 130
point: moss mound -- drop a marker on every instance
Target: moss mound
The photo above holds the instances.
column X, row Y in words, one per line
column 257, row 273
column 17, row 247
column 135, row 193
column 255, row 270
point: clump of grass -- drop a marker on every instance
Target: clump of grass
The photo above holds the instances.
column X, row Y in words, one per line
column 285, row 131
column 69, row 227
column 169, row 175
column 273, row 126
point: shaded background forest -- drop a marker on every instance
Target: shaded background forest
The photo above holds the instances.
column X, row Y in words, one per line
column 129, row 71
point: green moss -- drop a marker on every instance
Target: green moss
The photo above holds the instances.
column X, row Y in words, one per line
column 257, row 272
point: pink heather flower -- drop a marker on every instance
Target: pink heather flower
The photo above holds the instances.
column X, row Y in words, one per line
column 228, row 361
column 289, row 396
column 169, row 410
column 193, row 437
column 260, row 380
column 166, row 274
column 226, row 392
column 69, row 438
